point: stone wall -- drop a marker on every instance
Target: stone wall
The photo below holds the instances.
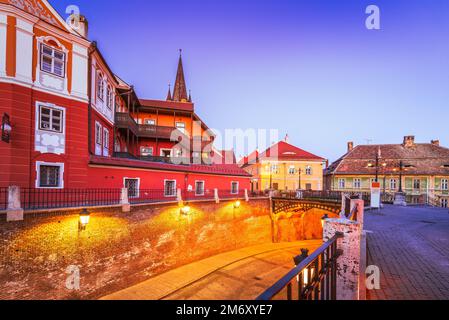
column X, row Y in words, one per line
column 118, row 250
column 296, row 226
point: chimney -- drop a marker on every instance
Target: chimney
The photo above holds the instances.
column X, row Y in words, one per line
column 79, row 24
column 409, row 141
column 350, row 146
column 435, row 142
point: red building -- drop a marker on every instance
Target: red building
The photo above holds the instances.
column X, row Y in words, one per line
column 75, row 124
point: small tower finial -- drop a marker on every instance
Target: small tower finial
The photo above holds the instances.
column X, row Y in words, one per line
column 169, row 96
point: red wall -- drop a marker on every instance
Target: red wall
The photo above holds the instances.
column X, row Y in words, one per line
column 18, row 161
column 95, row 116
column 113, row 178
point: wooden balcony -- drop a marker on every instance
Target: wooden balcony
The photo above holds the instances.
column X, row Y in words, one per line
column 124, row 121
column 160, row 132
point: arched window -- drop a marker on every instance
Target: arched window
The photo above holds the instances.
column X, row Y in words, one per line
column 100, row 86
column 109, row 97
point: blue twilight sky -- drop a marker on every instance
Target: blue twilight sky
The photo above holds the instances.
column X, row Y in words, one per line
column 309, row 68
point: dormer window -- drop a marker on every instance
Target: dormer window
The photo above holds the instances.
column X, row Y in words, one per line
column 100, row 87
column 52, row 61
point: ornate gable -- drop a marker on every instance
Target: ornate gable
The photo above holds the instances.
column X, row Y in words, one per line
column 36, row 8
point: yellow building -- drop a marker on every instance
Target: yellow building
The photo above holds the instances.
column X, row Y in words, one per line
column 284, row 167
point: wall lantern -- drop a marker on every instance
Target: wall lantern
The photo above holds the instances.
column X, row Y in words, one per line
column 6, row 128
column 84, row 219
column 237, row 204
column 185, row 210
column 323, row 219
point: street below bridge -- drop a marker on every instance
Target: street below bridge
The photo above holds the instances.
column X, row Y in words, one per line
column 237, row 275
column 410, row 245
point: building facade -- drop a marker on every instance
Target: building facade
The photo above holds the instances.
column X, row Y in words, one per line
column 75, row 124
column 421, row 170
column 284, row 167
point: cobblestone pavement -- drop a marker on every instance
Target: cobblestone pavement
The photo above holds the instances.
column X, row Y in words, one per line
column 411, row 247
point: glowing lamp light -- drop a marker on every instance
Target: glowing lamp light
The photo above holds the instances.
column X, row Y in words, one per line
column 237, row 204
column 84, row 219
column 185, row 210
column 306, row 280
column 323, row 219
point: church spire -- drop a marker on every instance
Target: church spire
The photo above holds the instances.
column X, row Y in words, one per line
column 169, row 97
column 180, row 90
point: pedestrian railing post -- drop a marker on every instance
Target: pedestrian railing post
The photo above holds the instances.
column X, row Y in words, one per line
column 124, row 200
column 14, row 212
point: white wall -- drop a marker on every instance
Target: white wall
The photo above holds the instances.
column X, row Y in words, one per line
column 24, row 52
column 3, row 21
column 79, row 71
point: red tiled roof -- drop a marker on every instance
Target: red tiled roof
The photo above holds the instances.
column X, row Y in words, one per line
column 215, row 169
column 284, row 151
column 181, row 106
column 426, row 159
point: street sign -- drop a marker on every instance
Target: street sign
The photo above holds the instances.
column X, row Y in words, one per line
column 375, row 195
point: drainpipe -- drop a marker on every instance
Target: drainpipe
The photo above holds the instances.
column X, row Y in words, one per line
column 89, row 93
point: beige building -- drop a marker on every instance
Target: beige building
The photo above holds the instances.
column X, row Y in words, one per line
column 420, row 170
column 284, row 167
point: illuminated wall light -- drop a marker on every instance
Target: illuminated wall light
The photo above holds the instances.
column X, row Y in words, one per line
column 237, row 204
column 84, row 219
column 323, row 219
column 185, row 210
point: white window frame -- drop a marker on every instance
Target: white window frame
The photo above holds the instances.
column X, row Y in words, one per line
column 309, row 170
column 53, row 58
column 357, row 183
column 292, row 170
column 341, row 183
column 444, row 184
column 147, row 155
column 109, row 96
column 414, row 184
column 100, row 86
column 51, row 108
column 106, row 141
column 138, row 186
column 169, row 195
column 393, row 184
column 204, row 187
column 53, row 164
column 183, row 128
column 161, row 152
column 238, row 187
column 98, row 134
column 275, row 169
column 145, row 122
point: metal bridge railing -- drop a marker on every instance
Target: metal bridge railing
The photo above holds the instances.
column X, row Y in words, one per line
column 314, row 277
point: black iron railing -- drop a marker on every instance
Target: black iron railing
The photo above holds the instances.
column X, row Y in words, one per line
column 143, row 196
column 42, row 199
column 231, row 194
column 310, row 195
column 35, row 199
column 314, row 278
column 3, row 198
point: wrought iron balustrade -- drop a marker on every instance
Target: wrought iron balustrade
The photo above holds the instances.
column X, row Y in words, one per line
column 314, row 278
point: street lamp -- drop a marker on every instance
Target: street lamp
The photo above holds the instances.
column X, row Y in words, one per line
column 83, row 220
column 6, row 128
column 299, row 178
column 323, row 219
column 237, row 204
